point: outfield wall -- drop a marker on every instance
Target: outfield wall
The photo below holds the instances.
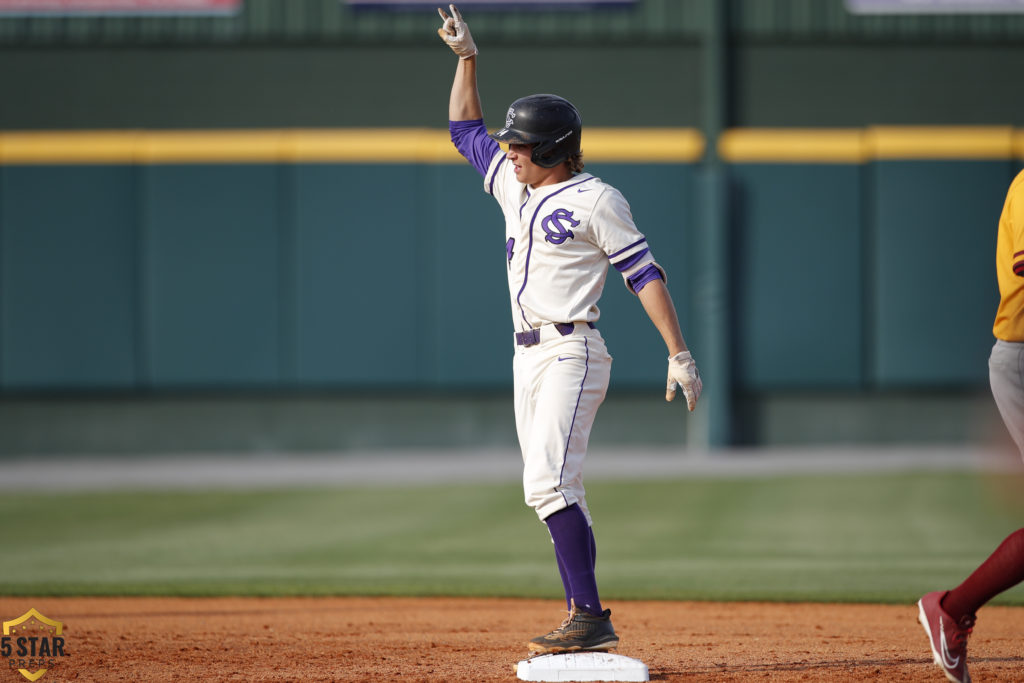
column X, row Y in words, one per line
column 295, row 263
column 859, row 258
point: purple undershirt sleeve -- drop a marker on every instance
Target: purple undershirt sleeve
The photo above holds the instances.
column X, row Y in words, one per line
column 648, row 273
column 470, row 138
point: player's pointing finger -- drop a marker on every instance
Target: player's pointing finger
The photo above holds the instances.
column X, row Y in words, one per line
column 446, row 28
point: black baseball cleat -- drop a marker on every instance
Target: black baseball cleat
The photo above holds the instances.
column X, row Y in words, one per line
column 580, row 631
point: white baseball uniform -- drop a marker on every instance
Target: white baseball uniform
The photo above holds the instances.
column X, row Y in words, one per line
column 559, row 242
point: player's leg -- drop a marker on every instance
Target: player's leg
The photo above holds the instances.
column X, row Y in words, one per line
column 578, row 381
column 526, row 377
column 524, row 396
column 1006, row 378
column 593, row 548
column 575, row 380
column 588, row 626
column 571, row 534
column 1001, row 571
column 563, row 572
column 1004, row 568
column 948, row 616
column 566, row 399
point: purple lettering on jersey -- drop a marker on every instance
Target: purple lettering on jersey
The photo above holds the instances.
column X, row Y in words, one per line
column 470, row 138
column 508, row 247
column 552, row 225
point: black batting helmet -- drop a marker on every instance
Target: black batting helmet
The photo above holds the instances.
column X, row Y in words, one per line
column 548, row 122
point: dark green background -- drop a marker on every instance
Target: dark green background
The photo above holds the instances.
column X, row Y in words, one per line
column 851, row 284
column 321, row 63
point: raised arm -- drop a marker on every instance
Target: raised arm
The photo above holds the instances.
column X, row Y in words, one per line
column 464, row 103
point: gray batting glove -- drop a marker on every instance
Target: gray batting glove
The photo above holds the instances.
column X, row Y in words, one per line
column 683, row 374
column 455, row 32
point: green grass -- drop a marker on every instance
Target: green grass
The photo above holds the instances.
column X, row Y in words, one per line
column 884, row 538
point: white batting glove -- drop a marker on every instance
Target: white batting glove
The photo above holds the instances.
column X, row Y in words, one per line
column 683, row 374
column 455, row 32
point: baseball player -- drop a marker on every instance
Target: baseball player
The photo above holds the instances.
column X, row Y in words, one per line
column 563, row 228
column 948, row 616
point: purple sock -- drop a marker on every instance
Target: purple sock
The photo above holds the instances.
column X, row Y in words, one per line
column 575, row 547
column 565, row 582
column 593, row 549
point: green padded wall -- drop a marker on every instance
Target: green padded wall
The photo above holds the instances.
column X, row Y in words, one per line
column 227, row 276
column 464, row 258
column 798, row 275
column 933, row 248
column 359, row 276
column 212, row 275
column 68, row 277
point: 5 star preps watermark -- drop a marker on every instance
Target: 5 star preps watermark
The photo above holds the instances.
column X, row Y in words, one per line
column 32, row 644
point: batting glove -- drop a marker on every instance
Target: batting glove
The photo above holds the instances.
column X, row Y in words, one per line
column 455, row 32
column 683, row 374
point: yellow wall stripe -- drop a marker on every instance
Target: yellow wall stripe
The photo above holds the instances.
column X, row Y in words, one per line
column 852, row 145
column 228, row 146
column 370, row 145
column 421, row 145
column 989, row 142
column 797, row 145
column 643, row 144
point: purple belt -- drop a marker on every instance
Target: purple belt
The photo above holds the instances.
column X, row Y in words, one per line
column 531, row 337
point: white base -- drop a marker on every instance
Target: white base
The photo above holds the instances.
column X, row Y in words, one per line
column 582, row 666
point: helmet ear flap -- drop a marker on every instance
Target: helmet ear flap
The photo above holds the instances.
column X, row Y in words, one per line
column 544, row 155
column 556, row 149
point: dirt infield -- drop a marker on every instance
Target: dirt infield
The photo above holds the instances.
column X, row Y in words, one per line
column 470, row 639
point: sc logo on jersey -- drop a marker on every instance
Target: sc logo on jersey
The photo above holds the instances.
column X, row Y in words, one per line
column 556, row 232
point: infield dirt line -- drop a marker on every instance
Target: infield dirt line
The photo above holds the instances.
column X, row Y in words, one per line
column 479, row 639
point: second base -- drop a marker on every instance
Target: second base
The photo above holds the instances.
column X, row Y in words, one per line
column 582, row 666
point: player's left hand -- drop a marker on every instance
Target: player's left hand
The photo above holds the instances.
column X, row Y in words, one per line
column 455, row 32
column 683, row 374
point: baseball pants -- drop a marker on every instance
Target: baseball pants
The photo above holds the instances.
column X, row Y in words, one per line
column 1006, row 376
column 559, row 385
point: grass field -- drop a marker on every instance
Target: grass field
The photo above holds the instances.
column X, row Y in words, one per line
column 849, row 538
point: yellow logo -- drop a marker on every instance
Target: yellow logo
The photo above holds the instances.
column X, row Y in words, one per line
column 32, row 641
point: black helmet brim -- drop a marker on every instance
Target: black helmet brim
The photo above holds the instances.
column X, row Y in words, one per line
column 511, row 136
